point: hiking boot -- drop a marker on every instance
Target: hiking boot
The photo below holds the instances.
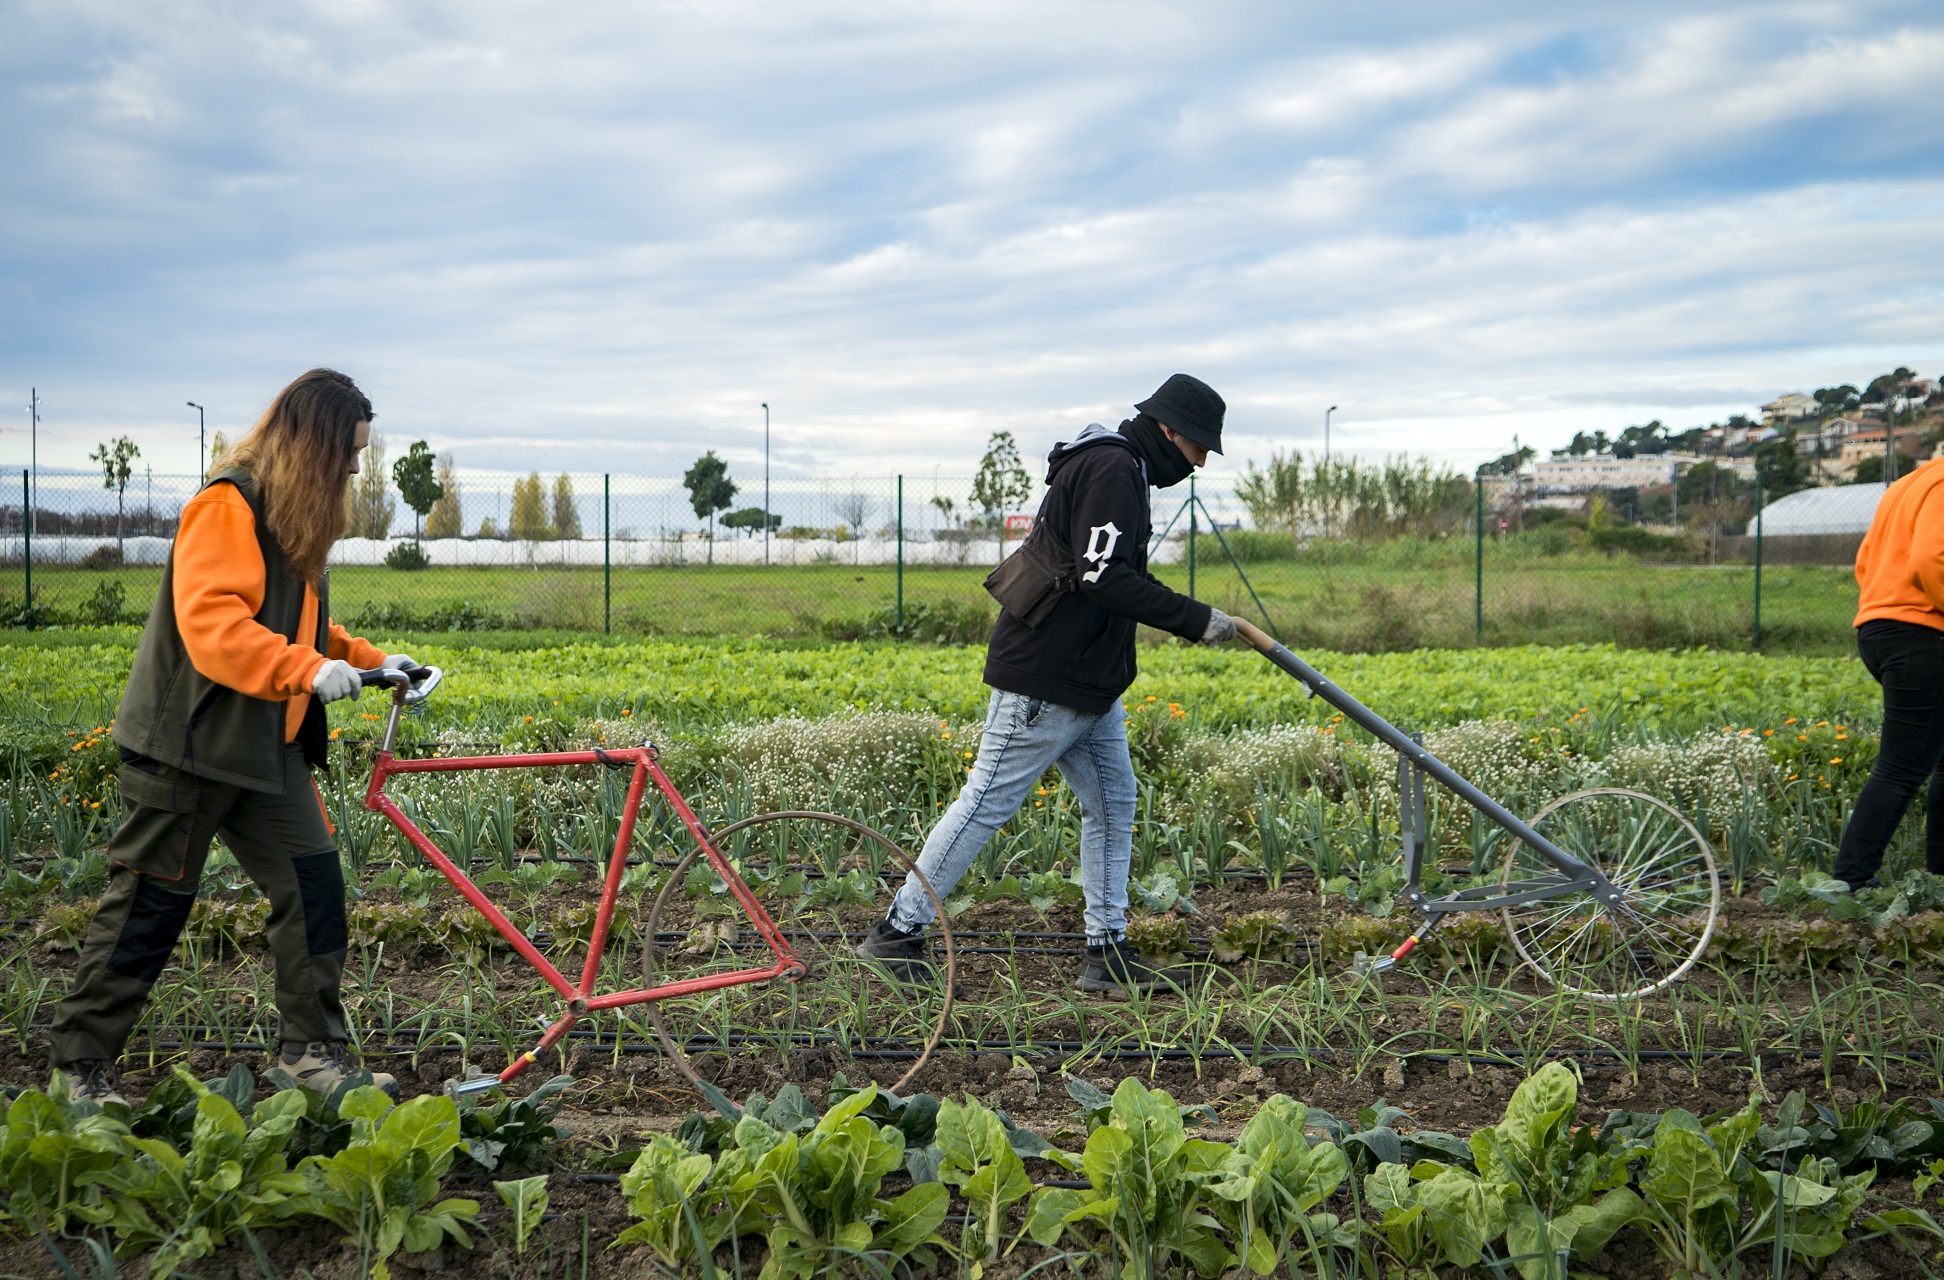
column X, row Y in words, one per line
column 322, row 1065
column 1116, row 969
column 95, row 1080
column 905, row 956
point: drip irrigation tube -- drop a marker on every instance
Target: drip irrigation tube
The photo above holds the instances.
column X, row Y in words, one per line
column 891, row 1048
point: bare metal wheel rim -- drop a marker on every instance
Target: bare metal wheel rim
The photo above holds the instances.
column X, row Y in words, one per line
column 673, row 885
column 1670, row 896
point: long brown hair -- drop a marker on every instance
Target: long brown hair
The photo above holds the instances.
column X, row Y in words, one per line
column 300, row 454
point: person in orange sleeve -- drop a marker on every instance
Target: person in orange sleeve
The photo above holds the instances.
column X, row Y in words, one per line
column 1900, row 637
column 219, row 727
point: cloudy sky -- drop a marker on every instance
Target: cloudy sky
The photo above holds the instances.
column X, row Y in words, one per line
column 596, row 237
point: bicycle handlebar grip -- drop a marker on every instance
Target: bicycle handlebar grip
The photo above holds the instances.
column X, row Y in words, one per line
column 383, row 675
column 1255, row 637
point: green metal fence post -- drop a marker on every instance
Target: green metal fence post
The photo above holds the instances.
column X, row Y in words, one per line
column 1478, row 558
column 900, row 557
column 607, row 555
column 27, row 545
column 1191, row 537
column 1758, row 559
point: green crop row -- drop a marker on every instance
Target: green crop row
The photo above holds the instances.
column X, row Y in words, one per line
column 199, row 1166
column 73, row 680
column 1534, row 1194
column 1771, row 795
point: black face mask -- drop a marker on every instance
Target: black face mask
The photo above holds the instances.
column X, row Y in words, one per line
column 1166, row 465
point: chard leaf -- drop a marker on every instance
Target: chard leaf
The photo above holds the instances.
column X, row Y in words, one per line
column 1464, row 1215
column 1535, row 1241
column 1597, row 1222
column 911, row 1219
column 1049, row 1211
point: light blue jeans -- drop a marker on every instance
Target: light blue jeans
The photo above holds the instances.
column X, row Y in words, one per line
column 1023, row 737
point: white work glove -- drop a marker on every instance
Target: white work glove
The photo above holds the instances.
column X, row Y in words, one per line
column 1220, row 630
column 335, row 680
column 397, row 662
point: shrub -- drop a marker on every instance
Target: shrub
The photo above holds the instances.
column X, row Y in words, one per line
column 407, row 555
column 108, row 606
column 1636, row 541
column 937, row 622
column 1250, row 546
column 462, row 616
column 103, row 557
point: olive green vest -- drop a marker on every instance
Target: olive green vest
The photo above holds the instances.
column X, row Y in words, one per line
column 173, row 713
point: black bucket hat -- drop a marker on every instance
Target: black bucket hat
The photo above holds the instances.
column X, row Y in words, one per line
column 1190, row 407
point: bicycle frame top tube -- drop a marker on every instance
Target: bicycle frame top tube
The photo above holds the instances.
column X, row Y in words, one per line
column 1399, row 741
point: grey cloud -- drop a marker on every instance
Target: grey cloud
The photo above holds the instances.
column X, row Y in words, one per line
column 609, row 233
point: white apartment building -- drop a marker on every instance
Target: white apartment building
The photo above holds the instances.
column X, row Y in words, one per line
column 1562, row 476
column 1790, row 408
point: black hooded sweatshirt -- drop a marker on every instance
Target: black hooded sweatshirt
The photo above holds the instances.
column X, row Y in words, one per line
column 1082, row 656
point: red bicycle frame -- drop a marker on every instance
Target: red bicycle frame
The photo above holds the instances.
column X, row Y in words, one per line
column 581, row 999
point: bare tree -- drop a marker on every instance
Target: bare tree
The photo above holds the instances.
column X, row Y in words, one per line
column 854, row 509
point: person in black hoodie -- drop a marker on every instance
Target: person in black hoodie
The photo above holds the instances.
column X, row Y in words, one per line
column 1057, row 686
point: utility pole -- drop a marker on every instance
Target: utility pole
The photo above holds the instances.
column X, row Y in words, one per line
column 202, row 435
column 1326, row 431
column 766, row 495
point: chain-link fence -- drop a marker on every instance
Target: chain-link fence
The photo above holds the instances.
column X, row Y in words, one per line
column 859, row 557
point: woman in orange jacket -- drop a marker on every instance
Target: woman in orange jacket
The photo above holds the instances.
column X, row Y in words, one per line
column 1900, row 636
column 218, row 729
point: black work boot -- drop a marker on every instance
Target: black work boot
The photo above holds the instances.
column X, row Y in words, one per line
column 906, row 957
column 1117, row 968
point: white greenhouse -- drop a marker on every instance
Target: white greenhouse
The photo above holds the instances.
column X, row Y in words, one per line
column 1841, row 509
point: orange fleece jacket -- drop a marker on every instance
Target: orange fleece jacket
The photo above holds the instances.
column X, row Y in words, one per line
column 218, row 591
column 1900, row 566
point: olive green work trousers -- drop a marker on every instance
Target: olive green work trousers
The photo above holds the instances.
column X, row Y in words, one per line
column 282, row 841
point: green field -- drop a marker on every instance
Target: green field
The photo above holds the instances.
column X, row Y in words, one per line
column 1264, row 860
column 1380, row 600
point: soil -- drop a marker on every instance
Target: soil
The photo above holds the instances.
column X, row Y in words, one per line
column 1406, row 1051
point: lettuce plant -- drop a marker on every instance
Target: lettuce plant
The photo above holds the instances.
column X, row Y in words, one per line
column 1709, row 1201
column 513, row 1133
column 230, row 1177
column 812, row 1194
column 1563, row 1188
column 1149, row 1191
column 53, row 1154
column 526, row 1200
column 1271, row 1182
column 978, row 1159
column 1434, row 1214
column 660, row 1189
column 380, row 1188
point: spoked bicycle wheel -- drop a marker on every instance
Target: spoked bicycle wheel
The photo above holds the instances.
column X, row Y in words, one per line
column 1670, row 896
column 818, row 875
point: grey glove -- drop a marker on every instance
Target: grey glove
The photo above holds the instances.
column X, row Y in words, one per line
column 1220, row 630
column 397, row 662
column 335, row 680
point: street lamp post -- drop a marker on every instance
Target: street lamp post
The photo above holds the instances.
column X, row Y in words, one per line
column 33, row 462
column 766, row 497
column 1326, row 431
column 202, row 465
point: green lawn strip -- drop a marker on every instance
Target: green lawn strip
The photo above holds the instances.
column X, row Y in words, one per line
column 1364, row 599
